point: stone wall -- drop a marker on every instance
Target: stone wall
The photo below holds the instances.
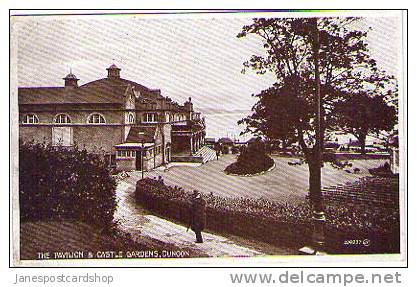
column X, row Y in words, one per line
column 38, row 134
column 94, row 138
column 126, row 164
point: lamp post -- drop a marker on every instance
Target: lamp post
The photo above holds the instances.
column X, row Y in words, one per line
column 142, row 158
column 319, row 218
column 315, row 195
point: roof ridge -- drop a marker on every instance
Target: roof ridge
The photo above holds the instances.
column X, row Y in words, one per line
column 40, row 87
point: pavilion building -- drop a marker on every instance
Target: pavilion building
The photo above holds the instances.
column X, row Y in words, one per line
column 132, row 126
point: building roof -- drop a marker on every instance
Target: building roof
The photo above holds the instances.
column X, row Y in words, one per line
column 113, row 67
column 140, row 134
column 189, row 127
column 109, row 90
column 134, row 145
column 70, row 76
column 100, row 91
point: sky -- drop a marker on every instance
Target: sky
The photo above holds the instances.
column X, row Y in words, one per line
column 184, row 57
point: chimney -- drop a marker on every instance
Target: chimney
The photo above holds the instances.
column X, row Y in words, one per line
column 189, row 105
column 71, row 80
column 113, row 72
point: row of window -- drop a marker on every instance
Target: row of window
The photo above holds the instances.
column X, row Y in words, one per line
column 126, row 153
column 94, row 118
column 175, row 118
column 152, row 117
column 132, row 153
column 97, row 118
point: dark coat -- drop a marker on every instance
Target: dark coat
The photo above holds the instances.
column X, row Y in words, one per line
column 198, row 214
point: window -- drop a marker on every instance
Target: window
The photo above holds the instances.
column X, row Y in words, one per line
column 149, row 117
column 126, row 153
column 157, row 150
column 131, row 118
column 62, row 119
column 96, row 119
column 30, row 119
column 62, row 136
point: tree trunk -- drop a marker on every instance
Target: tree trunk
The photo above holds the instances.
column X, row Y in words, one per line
column 315, row 194
column 284, row 145
column 362, row 139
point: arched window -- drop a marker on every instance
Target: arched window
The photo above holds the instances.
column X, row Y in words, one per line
column 131, row 118
column 30, row 119
column 62, row 119
column 96, row 118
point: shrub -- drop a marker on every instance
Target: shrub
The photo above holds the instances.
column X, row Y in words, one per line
column 329, row 157
column 60, row 183
column 264, row 220
column 384, row 170
column 276, row 223
column 225, row 149
column 251, row 160
column 235, row 149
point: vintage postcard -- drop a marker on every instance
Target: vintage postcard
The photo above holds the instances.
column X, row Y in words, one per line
column 143, row 139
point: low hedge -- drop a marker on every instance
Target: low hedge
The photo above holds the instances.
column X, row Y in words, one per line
column 279, row 224
column 60, row 183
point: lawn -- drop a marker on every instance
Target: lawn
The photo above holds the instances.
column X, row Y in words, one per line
column 284, row 183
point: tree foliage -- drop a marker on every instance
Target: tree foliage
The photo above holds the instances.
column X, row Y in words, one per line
column 345, row 67
column 294, row 48
column 361, row 115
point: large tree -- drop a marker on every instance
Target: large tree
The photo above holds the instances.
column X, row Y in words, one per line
column 326, row 56
column 362, row 115
column 274, row 115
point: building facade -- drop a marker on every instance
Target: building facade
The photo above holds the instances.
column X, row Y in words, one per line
column 132, row 126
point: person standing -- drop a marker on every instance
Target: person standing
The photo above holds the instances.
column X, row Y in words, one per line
column 197, row 215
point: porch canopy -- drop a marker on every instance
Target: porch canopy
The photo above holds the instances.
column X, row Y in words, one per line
column 139, row 137
column 134, row 145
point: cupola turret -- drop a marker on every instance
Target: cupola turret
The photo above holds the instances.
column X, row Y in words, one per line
column 113, row 72
column 71, row 80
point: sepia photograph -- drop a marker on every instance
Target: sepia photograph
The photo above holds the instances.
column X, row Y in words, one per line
column 243, row 135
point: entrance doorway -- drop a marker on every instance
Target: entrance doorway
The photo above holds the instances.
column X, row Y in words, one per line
column 168, row 155
column 139, row 160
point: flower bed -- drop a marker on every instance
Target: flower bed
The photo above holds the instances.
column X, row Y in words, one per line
column 255, row 174
column 279, row 224
column 252, row 160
